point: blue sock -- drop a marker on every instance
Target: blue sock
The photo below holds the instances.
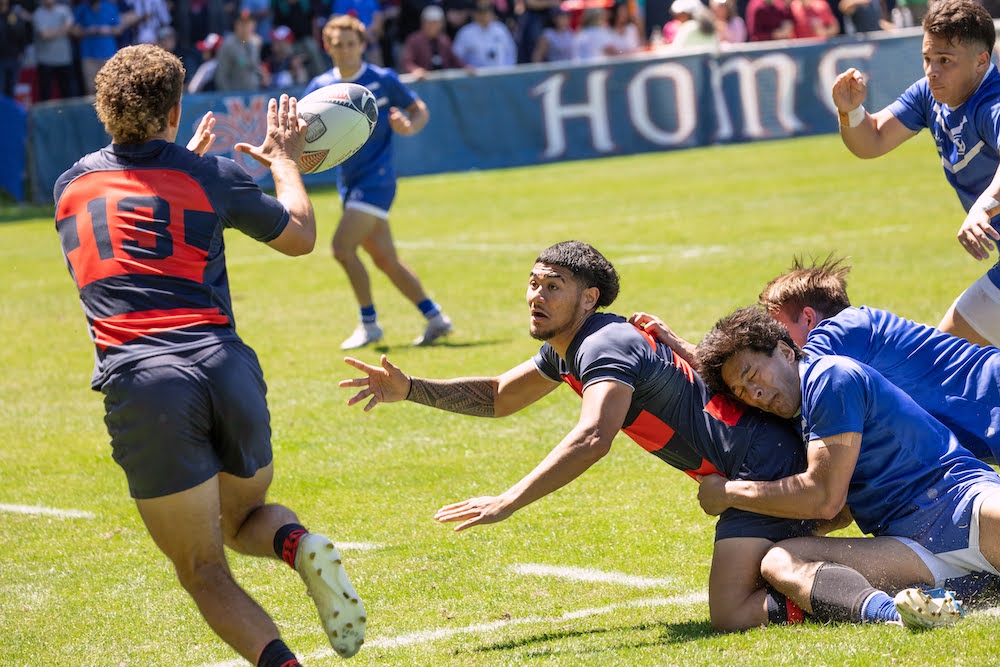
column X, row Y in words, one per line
column 428, row 308
column 878, row 608
column 368, row 314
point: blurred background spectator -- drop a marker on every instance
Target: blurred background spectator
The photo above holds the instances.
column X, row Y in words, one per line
column 729, row 25
column 286, row 67
column 260, row 10
column 97, row 25
column 147, row 17
column 54, row 51
column 15, row 35
column 239, row 57
column 203, row 80
column 697, row 24
column 556, row 42
column 429, row 49
column 769, row 19
column 813, row 18
column 301, row 17
column 594, row 38
column 626, row 36
column 532, row 21
column 486, row 41
column 864, row 16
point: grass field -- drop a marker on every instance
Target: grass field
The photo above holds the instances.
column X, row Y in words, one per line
column 694, row 234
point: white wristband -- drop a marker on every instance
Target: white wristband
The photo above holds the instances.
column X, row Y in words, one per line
column 987, row 206
column 855, row 116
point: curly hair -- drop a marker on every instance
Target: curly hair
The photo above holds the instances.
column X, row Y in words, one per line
column 821, row 286
column 136, row 89
column 748, row 328
column 344, row 22
column 588, row 266
column 961, row 22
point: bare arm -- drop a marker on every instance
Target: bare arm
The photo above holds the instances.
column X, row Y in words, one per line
column 477, row 396
column 280, row 152
column 605, row 405
column 866, row 135
column 412, row 121
column 818, row 493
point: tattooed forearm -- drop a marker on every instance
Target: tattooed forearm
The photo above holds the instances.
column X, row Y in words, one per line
column 467, row 396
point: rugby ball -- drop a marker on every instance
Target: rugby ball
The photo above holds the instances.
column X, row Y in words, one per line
column 339, row 119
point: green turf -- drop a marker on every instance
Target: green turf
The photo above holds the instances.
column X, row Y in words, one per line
column 694, row 234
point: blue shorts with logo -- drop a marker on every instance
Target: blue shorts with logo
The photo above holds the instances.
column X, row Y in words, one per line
column 177, row 420
column 372, row 194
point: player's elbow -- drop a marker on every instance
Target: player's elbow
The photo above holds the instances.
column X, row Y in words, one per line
column 829, row 508
column 592, row 443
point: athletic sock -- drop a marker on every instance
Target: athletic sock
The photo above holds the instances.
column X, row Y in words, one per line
column 429, row 309
column 838, row 593
column 286, row 542
column 368, row 315
column 781, row 610
column 878, row 608
column 276, row 654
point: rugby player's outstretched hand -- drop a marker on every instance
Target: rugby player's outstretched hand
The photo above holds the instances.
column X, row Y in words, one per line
column 712, row 494
column 849, row 90
column 203, row 136
column 475, row 511
column 387, row 384
column 286, row 134
column 976, row 233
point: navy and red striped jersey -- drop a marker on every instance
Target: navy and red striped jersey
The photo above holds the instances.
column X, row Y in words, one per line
column 673, row 415
column 141, row 231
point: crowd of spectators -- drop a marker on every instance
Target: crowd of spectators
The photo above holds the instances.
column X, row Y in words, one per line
column 243, row 45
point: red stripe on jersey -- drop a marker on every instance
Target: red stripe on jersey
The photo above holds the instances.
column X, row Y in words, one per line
column 705, row 468
column 725, row 409
column 120, row 329
column 650, row 338
column 142, row 210
column 651, row 433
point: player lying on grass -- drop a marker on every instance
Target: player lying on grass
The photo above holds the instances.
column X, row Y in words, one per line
column 628, row 382
column 957, row 382
column 933, row 508
column 141, row 222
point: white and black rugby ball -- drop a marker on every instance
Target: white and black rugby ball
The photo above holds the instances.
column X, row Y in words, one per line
column 339, row 119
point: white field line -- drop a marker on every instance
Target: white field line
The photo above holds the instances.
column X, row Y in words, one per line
column 590, row 575
column 358, row 546
column 34, row 510
column 425, row 636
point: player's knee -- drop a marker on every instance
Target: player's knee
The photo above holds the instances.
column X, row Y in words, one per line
column 777, row 566
column 343, row 252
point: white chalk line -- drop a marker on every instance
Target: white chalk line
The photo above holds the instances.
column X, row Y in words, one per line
column 590, row 575
column 426, row 636
column 34, row 510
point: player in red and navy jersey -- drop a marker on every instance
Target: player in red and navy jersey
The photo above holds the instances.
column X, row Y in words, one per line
column 630, row 382
column 141, row 225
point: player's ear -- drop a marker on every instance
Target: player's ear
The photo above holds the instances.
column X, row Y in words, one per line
column 174, row 116
column 811, row 317
column 590, row 298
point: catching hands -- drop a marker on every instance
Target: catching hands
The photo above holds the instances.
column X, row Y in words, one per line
column 286, row 134
column 976, row 232
column 203, row 136
column 474, row 511
column 712, row 494
column 387, row 384
column 849, row 90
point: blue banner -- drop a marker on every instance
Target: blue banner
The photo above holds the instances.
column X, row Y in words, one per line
column 546, row 113
column 13, row 120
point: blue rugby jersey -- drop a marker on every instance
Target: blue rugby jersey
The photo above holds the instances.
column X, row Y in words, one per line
column 373, row 161
column 141, row 231
column 957, row 382
column 907, row 459
column 967, row 138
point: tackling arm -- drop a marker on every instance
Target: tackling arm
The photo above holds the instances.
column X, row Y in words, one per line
column 605, row 405
column 818, row 493
column 866, row 135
